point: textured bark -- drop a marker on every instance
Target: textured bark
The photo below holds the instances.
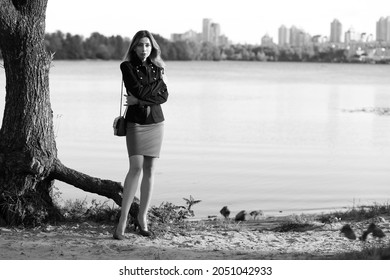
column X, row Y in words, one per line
column 28, row 153
column 87, row 183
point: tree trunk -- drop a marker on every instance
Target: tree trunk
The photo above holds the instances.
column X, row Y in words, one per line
column 28, row 153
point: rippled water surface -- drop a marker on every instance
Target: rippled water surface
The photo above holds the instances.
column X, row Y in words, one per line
column 270, row 136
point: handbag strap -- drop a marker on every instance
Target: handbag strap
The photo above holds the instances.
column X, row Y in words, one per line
column 120, row 108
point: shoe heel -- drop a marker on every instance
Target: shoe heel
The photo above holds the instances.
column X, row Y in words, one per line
column 141, row 231
column 136, row 225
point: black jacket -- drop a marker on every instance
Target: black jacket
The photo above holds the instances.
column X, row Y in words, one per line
column 146, row 84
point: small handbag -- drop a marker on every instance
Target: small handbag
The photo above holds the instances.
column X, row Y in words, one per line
column 119, row 124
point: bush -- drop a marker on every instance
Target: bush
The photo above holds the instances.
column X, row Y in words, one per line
column 79, row 210
column 357, row 213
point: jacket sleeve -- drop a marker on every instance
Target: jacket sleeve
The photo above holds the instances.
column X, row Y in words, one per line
column 150, row 94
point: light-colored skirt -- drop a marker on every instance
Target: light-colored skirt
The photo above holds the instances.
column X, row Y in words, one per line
column 143, row 139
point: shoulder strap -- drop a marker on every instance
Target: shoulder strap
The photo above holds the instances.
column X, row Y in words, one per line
column 120, row 108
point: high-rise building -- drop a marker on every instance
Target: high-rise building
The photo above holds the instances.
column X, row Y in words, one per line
column 283, row 36
column 212, row 32
column 351, row 36
column 206, row 31
column 215, row 33
column 380, row 30
column 335, row 31
column 383, row 30
column 294, row 36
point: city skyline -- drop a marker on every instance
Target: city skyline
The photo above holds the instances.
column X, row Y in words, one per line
column 243, row 22
column 291, row 35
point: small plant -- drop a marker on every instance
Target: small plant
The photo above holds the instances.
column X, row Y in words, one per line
column 100, row 211
column 170, row 217
column 74, row 209
column 357, row 213
column 79, row 210
column 168, row 213
column 190, row 202
column 302, row 218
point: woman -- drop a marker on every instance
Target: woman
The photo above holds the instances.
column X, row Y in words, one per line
column 142, row 73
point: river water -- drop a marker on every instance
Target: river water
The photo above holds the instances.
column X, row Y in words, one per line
column 280, row 137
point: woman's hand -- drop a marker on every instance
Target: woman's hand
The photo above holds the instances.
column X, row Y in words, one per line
column 131, row 99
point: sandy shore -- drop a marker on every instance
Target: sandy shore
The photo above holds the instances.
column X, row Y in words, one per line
column 245, row 240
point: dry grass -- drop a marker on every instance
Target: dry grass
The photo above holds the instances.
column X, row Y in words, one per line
column 171, row 218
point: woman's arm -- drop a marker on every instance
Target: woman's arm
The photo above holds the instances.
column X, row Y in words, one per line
column 149, row 99
column 156, row 93
column 151, row 94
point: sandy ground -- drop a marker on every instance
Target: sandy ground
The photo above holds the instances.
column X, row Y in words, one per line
column 245, row 240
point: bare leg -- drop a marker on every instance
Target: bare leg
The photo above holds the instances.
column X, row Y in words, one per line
column 146, row 190
column 129, row 190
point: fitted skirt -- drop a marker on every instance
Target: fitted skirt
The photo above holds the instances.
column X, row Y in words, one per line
column 144, row 139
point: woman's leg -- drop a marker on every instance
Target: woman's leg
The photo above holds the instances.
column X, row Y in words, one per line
column 129, row 190
column 146, row 190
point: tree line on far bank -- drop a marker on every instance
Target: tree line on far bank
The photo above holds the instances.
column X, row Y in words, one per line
column 97, row 46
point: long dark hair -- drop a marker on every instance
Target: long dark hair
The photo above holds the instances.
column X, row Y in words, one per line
column 155, row 55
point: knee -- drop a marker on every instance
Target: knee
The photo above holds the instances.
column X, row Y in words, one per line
column 148, row 166
column 148, row 171
column 135, row 170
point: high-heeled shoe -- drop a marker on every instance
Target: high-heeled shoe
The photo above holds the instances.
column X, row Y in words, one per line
column 118, row 236
column 141, row 231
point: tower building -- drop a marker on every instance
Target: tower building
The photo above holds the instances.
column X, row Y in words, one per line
column 283, row 36
column 206, row 30
column 335, row 31
column 383, row 30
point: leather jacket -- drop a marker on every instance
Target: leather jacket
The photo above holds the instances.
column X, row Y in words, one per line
column 145, row 83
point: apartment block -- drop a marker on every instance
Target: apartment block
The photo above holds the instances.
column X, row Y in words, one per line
column 335, row 31
column 383, row 29
column 283, row 36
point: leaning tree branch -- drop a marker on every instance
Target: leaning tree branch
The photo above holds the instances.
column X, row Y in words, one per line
column 107, row 188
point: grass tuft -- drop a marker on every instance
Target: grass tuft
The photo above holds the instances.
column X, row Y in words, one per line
column 357, row 213
column 79, row 211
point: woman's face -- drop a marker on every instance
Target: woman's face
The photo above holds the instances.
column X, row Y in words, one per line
column 143, row 48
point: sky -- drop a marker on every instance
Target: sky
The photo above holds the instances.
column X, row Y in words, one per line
column 242, row 21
